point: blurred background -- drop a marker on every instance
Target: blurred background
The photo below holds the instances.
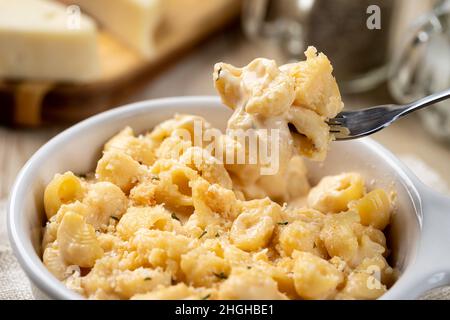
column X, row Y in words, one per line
column 383, row 51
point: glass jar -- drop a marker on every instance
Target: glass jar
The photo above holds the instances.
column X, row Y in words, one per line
column 355, row 35
column 421, row 67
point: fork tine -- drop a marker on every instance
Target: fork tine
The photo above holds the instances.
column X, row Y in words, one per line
column 341, row 115
column 339, row 132
column 333, row 121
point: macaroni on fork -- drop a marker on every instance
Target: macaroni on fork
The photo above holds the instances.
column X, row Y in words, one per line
column 163, row 217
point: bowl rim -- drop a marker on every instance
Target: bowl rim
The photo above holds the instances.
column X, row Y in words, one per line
column 32, row 264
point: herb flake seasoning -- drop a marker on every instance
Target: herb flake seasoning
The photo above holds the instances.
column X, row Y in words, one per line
column 218, row 73
column 221, row 275
column 203, row 234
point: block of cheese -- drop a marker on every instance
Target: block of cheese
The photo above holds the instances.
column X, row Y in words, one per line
column 133, row 22
column 38, row 43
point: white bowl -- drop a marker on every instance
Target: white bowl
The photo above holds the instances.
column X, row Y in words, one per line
column 419, row 235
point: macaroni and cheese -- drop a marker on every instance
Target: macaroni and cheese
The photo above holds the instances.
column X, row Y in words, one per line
column 166, row 217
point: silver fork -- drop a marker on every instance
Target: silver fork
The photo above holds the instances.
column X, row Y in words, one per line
column 356, row 124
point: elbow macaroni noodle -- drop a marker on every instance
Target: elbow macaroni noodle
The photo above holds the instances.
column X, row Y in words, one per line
column 164, row 217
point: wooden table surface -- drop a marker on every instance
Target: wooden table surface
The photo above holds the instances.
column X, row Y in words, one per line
column 191, row 75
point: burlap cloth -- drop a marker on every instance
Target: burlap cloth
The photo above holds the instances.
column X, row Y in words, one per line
column 15, row 285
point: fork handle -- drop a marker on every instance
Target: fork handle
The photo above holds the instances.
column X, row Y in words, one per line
column 426, row 101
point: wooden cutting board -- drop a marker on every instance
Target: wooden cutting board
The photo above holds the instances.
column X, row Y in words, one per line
column 27, row 103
